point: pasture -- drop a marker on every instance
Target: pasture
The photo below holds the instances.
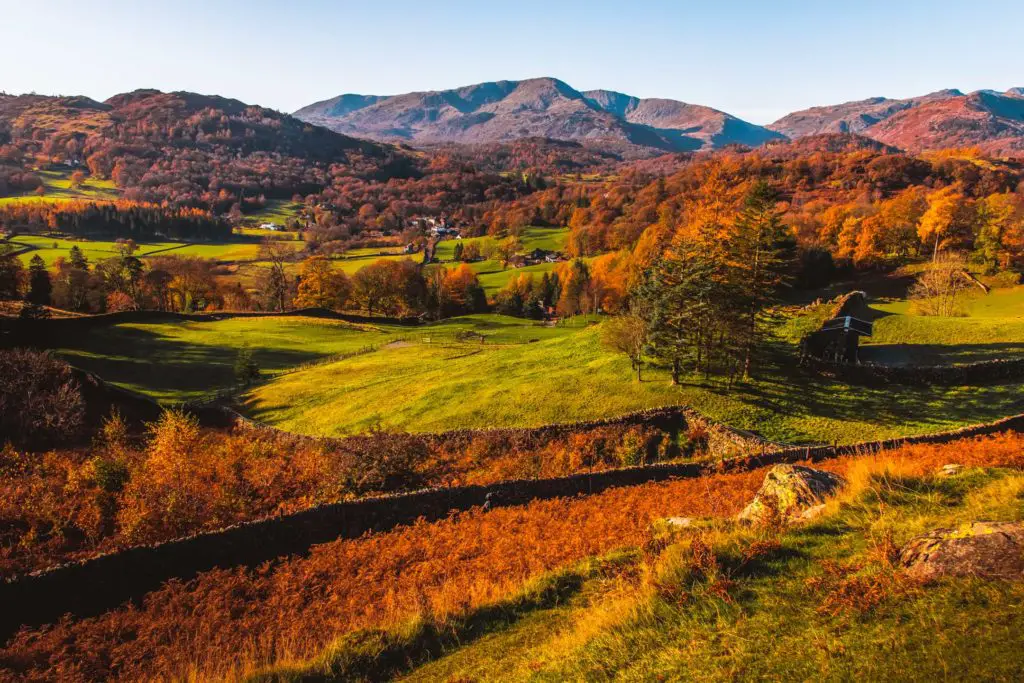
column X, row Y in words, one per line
column 57, row 187
column 491, row 371
column 492, row 276
column 52, row 248
column 992, row 328
column 180, row 361
column 566, row 375
column 280, row 211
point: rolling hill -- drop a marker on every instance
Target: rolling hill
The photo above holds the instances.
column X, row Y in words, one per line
column 180, row 146
column 541, row 107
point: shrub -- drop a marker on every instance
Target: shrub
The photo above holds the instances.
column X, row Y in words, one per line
column 41, row 404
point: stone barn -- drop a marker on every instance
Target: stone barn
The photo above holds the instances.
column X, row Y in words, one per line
column 837, row 341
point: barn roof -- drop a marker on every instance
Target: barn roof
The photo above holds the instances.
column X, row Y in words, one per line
column 850, row 324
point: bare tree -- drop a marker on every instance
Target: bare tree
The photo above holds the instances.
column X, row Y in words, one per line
column 276, row 254
column 626, row 334
column 939, row 290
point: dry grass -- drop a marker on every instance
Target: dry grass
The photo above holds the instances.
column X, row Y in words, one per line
column 231, row 621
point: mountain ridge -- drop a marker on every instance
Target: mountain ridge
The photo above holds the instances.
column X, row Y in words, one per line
column 500, row 111
column 988, row 119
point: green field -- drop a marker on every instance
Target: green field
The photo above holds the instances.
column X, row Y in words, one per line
column 280, row 211
column 179, row 361
column 566, row 376
column 357, row 259
column 993, row 328
column 436, row 377
column 492, row 276
column 58, row 188
column 52, row 248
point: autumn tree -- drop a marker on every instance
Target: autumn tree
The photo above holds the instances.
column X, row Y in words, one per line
column 11, row 274
column 1000, row 239
column 940, row 289
column 390, row 287
column 764, row 251
column 575, row 283
column 507, row 249
column 626, row 334
column 321, row 286
column 948, row 219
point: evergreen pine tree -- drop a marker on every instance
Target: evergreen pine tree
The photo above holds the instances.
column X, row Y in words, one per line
column 39, row 285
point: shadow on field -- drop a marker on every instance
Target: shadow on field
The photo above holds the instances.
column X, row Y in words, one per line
column 156, row 363
column 938, row 354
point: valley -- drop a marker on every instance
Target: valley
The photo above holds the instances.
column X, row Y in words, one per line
column 516, row 380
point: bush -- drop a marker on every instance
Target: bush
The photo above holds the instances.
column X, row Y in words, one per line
column 40, row 402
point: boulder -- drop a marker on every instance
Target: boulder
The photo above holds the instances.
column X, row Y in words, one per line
column 793, row 491
column 951, row 469
column 987, row 550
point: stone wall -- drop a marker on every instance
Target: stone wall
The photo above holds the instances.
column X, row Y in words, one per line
column 94, row 585
column 968, row 374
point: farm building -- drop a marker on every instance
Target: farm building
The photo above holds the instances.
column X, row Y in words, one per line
column 837, row 341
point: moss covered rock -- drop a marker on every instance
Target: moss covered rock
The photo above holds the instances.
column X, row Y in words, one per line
column 788, row 492
column 987, row 550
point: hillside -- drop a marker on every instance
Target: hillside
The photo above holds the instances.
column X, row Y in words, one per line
column 187, row 148
column 987, row 119
column 540, row 107
column 990, row 121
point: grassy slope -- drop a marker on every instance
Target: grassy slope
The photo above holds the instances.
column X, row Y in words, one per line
column 58, row 188
column 568, row 376
column 97, row 250
column 177, row 361
column 817, row 602
column 992, row 328
column 280, row 211
column 774, row 626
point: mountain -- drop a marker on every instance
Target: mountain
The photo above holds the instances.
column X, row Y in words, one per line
column 541, row 107
column 849, row 117
column 992, row 121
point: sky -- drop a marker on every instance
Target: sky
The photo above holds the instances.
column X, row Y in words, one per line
column 756, row 60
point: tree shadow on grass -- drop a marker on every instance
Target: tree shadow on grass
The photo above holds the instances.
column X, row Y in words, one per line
column 163, row 366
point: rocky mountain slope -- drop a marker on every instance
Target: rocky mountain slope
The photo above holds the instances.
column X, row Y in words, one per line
column 993, row 121
column 541, row 107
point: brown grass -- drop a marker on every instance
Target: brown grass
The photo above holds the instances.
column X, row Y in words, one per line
column 228, row 621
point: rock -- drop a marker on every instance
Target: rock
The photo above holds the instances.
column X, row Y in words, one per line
column 987, row 550
column 951, row 469
column 812, row 513
column 679, row 522
column 792, row 490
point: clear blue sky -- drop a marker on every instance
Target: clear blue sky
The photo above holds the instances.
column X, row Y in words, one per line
column 758, row 60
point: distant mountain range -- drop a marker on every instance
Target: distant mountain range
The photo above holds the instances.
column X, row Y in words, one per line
column 541, row 107
column 993, row 121
column 502, row 111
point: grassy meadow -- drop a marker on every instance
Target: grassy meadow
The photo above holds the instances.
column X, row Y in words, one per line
column 491, row 370
column 180, row 361
column 492, row 276
column 992, row 327
column 52, row 248
column 57, row 187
